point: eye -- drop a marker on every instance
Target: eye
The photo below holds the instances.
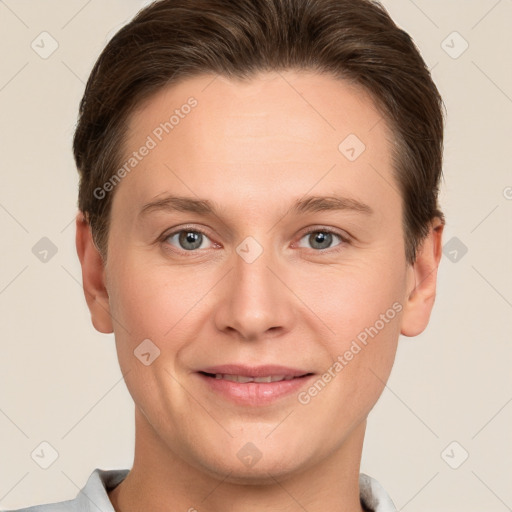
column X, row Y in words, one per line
column 192, row 239
column 321, row 239
column 188, row 239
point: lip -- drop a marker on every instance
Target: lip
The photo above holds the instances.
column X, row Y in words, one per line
column 254, row 393
column 255, row 371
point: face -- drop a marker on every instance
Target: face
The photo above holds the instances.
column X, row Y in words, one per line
column 258, row 235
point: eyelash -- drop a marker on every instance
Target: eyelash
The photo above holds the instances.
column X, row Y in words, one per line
column 344, row 240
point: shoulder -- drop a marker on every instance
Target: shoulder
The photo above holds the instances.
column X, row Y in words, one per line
column 92, row 497
column 373, row 496
column 61, row 506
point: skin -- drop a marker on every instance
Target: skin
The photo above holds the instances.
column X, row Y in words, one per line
column 254, row 148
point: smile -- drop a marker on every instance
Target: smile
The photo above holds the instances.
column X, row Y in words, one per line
column 245, row 379
column 253, row 386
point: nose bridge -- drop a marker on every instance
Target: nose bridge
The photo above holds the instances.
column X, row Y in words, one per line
column 254, row 301
column 252, row 276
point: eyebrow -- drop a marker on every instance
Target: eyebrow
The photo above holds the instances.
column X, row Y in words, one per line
column 308, row 204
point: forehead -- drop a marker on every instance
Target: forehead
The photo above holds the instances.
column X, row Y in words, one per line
column 297, row 106
column 277, row 133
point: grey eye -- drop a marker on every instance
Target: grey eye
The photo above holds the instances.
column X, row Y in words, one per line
column 187, row 239
column 320, row 239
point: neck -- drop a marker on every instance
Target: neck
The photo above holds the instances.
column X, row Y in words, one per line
column 161, row 481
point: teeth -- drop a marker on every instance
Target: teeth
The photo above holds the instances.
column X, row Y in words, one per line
column 238, row 378
column 243, row 379
column 263, row 379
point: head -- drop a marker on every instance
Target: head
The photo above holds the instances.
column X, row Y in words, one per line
column 257, row 117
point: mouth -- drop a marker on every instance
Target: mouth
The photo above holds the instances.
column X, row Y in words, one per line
column 253, row 386
column 245, row 379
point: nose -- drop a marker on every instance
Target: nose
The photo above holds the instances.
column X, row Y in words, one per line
column 255, row 301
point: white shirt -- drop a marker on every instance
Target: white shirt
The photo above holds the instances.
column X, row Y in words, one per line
column 93, row 496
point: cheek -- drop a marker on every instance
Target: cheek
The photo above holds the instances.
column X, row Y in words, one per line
column 150, row 299
column 146, row 304
column 137, row 303
column 353, row 297
column 361, row 354
column 362, row 306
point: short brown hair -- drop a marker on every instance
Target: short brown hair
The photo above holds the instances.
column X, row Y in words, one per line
column 353, row 40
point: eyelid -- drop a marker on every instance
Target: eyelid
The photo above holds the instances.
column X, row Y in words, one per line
column 344, row 237
column 178, row 229
column 325, row 229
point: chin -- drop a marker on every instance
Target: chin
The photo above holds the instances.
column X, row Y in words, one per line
column 254, row 463
column 262, row 473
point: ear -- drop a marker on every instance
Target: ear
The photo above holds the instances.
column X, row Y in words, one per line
column 93, row 276
column 421, row 282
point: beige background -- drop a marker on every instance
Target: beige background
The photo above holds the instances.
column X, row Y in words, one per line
column 60, row 380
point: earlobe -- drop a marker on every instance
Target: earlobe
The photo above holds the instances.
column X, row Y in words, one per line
column 93, row 276
column 422, row 282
